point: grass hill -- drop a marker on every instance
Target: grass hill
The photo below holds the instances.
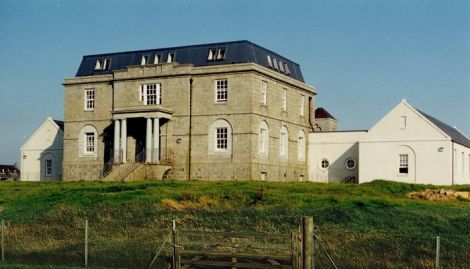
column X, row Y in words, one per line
column 370, row 225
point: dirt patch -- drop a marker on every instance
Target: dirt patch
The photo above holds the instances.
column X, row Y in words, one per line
column 439, row 195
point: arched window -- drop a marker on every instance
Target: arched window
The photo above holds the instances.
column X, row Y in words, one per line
column 284, row 142
column 220, row 137
column 263, row 140
column 301, row 146
column 88, row 145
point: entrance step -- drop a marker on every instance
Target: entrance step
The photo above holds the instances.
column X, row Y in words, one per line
column 148, row 171
column 121, row 171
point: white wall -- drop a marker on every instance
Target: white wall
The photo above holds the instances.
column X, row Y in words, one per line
column 336, row 147
column 427, row 163
column 461, row 164
column 405, row 131
column 45, row 143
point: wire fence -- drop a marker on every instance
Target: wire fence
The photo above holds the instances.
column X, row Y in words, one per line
column 352, row 249
column 135, row 244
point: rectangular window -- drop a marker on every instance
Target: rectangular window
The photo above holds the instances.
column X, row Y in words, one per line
column 262, row 140
column 463, row 164
column 270, row 62
column 89, row 143
column 283, row 141
column 221, row 136
column 402, row 122
column 89, row 99
column 48, row 167
column 264, row 175
column 151, row 94
column 301, row 149
column 221, row 86
column 145, row 60
column 264, row 86
column 221, row 54
column 302, row 104
column 157, row 59
column 211, row 55
column 284, row 99
column 403, row 168
column 171, row 58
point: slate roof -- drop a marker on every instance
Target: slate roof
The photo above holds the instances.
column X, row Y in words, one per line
column 60, row 124
column 454, row 134
column 235, row 52
column 321, row 113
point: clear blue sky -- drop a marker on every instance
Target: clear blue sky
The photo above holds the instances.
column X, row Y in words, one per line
column 363, row 56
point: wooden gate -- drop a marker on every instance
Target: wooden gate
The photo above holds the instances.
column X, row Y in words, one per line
column 202, row 249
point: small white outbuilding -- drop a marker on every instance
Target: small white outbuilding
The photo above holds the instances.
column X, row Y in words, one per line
column 406, row 145
column 41, row 155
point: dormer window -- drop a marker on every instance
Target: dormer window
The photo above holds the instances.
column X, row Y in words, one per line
column 106, row 64
column 102, row 64
column 286, row 67
column 171, row 57
column 157, row 59
column 145, row 60
column 270, row 62
column 211, row 55
column 221, row 54
column 281, row 66
column 99, row 64
column 275, row 64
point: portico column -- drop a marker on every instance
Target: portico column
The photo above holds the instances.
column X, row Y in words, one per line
column 117, row 141
column 148, row 141
column 124, row 140
column 156, row 139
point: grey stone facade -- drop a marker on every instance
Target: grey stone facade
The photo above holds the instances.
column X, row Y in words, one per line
column 188, row 115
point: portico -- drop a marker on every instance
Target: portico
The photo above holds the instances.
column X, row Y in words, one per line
column 146, row 149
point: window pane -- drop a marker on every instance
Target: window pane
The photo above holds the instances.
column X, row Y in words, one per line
column 221, row 137
column 89, row 142
column 263, row 92
column 221, row 90
column 89, row 99
column 403, row 166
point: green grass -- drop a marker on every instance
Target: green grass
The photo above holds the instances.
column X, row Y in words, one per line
column 374, row 225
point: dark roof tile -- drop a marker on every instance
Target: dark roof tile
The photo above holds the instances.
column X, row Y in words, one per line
column 235, row 52
column 321, row 113
column 454, row 134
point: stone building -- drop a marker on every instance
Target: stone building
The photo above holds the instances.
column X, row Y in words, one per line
column 231, row 110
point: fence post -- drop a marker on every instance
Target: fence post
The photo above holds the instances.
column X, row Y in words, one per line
column 3, row 238
column 438, row 249
column 313, row 247
column 307, row 240
column 86, row 243
column 176, row 260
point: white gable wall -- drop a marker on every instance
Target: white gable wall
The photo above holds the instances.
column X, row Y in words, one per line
column 336, row 147
column 45, row 143
column 461, row 164
column 405, row 131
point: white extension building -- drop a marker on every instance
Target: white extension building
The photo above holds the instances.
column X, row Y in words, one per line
column 41, row 155
column 406, row 145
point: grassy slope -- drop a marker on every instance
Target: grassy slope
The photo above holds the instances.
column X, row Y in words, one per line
column 377, row 211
